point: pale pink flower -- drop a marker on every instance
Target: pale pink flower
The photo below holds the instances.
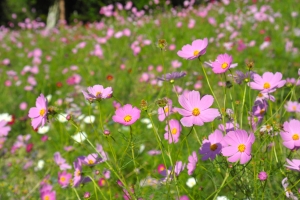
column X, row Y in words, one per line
column 173, row 131
column 38, row 114
column 191, row 166
column 197, row 49
column 291, row 134
column 238, row 146
column 268, row 82
column 126, row 115
column 196, row 111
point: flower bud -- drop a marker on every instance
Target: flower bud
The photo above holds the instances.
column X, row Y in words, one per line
column 106, row 132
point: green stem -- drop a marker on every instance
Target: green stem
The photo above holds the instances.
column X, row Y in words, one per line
column 222, row 185
column 76, row 194
column 243, row 104
column 133, row 158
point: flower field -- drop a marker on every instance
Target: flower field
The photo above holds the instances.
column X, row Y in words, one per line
column 193, row 102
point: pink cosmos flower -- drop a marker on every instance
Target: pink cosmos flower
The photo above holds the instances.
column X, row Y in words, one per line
column 288, row 193
column 293, row 165
column 64, row 179
column 179, row 167
column 222, row 64
column 100, row 151
column 268, row 83
column 238, row 145
column 61, row 162
column 126, row 115
column 38, row 114
column 165, row 111
column 213, row 146
column 191, row 166
column 3, row 128
column 48, row 195
column 196, row 111
column 291, row 134
column 78, row 178
column 197, row 49
column 91, row 159
column 98, row 92
column 172, row 134
column 292, row 106
column 151, row 152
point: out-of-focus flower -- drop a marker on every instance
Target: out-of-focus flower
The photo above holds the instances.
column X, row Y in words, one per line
column 197, row 49
column 191, row 182
column 38, row 114
column 290, row 134
column 172, row 76
column 191, row 166
column 173, row 131
column 262, row 176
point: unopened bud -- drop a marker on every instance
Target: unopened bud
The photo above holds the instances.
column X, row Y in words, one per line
column 250, row 65
column 162, row 102
column 106, row 132
column 69, row 117
column 162, row 44
column 144, row 105
column 86, row 195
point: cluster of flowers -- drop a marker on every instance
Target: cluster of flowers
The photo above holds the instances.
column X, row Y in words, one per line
column 236, row 144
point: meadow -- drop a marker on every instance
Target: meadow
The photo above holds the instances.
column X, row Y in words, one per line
column 199, row 102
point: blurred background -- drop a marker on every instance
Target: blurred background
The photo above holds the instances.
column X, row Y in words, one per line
column 66, row 10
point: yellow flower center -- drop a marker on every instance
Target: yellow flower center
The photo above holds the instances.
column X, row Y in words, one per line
column 78, row 173
column 262, row 111
column 260, row 95
column 268, row 127
column 224, row 65
column 47, row 197
column 196, row 112
column 241, row 148
column 91, row 162
column 267, row 85
column 102, row 181
column 196, row 52
column 174, row 131
column 98, row 94
column 213, row 147
column 295, row 136
column 42, row 112
column 166, row 109
column 62, row 179
column 127, row 118
column 294, row 108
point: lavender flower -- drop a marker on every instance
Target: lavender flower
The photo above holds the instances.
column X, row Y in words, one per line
column 172, row 76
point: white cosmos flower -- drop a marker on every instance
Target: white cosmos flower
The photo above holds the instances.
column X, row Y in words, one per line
column 81, row 117
column 142, row 148
column 49, row 97
column 62, row 117
column 79, row 137
column 89, row 119
column 6, row 117
column 40, row 165
column 191, row 182
column 149, row 126
column 43, row 130
column 222, row 198
column 145, row 120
